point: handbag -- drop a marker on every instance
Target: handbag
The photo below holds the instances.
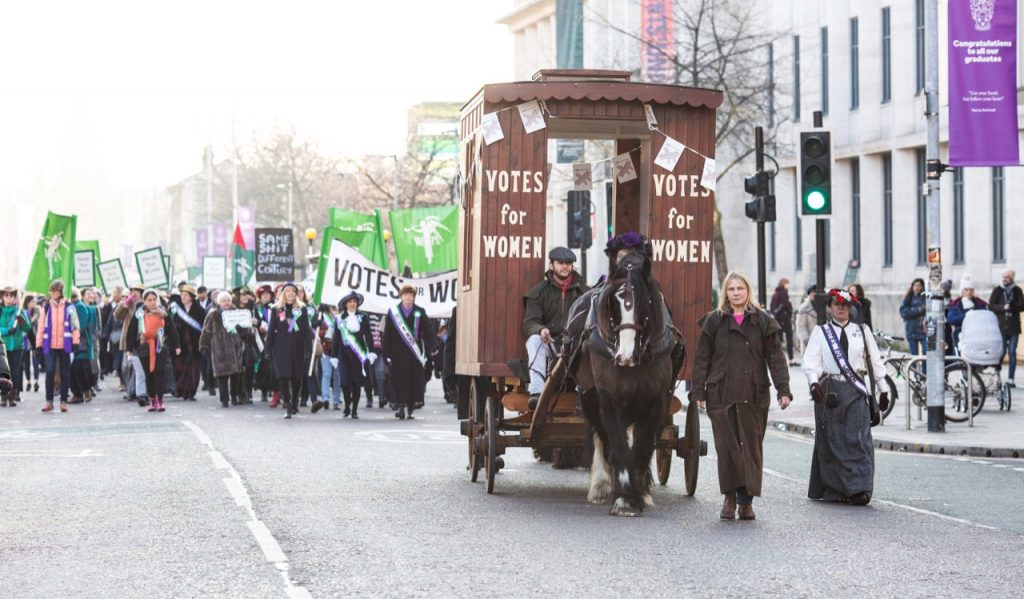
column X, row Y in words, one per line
column 874, row 411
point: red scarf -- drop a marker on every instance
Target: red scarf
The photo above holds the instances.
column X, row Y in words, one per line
column 563, row 285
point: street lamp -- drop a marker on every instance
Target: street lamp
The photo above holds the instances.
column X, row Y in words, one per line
column 310, row 236
column 288, row 185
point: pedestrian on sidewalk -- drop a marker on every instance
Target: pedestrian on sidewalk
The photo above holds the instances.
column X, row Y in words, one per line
column 806, row 317
column 1007, row 301
column 843, row 462
column 152, row 340
column 353, row 350
column 187, row 318
column 912, row 310
column 58, row 336
column 739, row 344
column 224, row 349
column 959, row 308
column 289, row 346
column 863, row 314
column 406, row 341
column 782, row 310
column 15, row 327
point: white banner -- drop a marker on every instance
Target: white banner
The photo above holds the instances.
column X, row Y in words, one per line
column 234, row 319
column 85, row 269
column 112, row 275
column 347, row 270
column 152, row 268
column 214, row 276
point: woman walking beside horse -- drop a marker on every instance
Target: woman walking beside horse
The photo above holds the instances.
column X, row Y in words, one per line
column 739, row 344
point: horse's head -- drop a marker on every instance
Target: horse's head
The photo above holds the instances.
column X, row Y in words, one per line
column 628, row 306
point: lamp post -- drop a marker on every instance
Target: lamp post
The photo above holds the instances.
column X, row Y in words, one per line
column 288, row 186
column 310, row 236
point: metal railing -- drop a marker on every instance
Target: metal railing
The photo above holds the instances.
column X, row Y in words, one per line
column 910, row 398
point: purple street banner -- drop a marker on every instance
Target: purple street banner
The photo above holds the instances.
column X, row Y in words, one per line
column 247, row 221
column 220, row 239
column 202, row 244
column 983, row 83
column 658, row 39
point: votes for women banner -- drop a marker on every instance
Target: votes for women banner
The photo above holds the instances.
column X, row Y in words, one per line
column 983, row 83
column 426, row 238
column 363, row 232
column 55, row 254
column 343, row 269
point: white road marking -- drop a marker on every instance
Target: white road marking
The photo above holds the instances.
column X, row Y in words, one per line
column 1000, row 466
column 51, row 453
column 236, row 487
column 982, row 462
column 1019, row 469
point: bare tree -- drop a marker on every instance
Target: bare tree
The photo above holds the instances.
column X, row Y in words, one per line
column 424, row 177
column 723, row 44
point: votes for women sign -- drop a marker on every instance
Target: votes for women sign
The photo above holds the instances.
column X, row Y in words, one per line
column 275, row 255
column 343, row 269
column 983, row 83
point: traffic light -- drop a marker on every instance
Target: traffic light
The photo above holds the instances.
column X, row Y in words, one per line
column 815, row 173
column 762, row 207
column 578, row 220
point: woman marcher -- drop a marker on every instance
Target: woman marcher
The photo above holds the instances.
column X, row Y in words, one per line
column 330, row 367
column 843, row 463
column 289, row 346
column 247, row 302
column 353, row 350
column 739, row 344
column 224, row 349
column 187, row 318
column 33, row 358
column 958, row 308
column 112, row 333
column 311, row 383
column 806, row 317
column 263, row 370
column 15, row 327
column 782, row 310
column 57, row 335
column 407, row 340
column 81, row 367
column 153, row 341
column 6, row 386
column 912, row 310
column 864, row 304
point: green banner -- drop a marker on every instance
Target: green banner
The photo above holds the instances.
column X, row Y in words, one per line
column 55, row 257
column 364, row 232
column 426, row 238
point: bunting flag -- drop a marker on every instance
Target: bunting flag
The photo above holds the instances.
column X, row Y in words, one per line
column 492, row 128
column 624, row 169
column 669, row 154
column 531, row 115
column 707, row 177
column 582, row 176
column 364, row 232
column 243, row 260
column 426, row 238
column 54, row 257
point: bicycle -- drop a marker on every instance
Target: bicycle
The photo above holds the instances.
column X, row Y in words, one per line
column 894, row 367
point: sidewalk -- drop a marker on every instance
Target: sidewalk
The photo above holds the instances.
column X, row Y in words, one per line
column 995, row 434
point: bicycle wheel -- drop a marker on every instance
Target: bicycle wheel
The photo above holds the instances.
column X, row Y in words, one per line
column 889, row 386
column 1005, row 398
column 918, row 384
column 955, row 393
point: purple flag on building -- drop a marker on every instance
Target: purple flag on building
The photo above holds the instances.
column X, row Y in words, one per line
column 983, row 83
column 202, row 245
column 220, row 239
column 247, row 221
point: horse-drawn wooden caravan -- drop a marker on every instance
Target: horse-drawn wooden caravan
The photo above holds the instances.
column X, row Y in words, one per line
column 504, row 242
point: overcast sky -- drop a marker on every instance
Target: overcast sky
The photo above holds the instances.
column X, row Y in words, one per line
column 131, row 90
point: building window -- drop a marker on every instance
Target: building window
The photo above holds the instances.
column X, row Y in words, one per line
column 887, row 210
column 854, row 64
column 919, row 44
column 824, row 70
column 855, row 205
column 796, row 78
column 958, row 216
column 796, row 225
column 771, row 86
column 922, row 208
column 998, row 217
column 886, row 57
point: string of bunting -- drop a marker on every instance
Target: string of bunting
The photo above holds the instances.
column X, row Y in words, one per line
column 534, row 113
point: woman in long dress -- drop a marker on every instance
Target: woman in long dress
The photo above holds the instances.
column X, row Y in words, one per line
column 353, row 348
column 187, row 317
column 843, row 464
column 406, row 341
column 153, row 340
column 289, row 346
column 739, row 344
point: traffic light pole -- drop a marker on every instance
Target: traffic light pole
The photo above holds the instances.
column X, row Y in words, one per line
column 762, row 285
column 934, row 328
column 819, row 253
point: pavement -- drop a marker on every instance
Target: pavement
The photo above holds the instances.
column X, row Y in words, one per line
column 995, row 434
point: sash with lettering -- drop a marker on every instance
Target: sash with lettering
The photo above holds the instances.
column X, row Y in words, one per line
column 183, row 315
column 841, row 361
column 407, row 336
column 351, row 341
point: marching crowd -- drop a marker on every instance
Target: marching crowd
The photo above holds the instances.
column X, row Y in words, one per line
column 238, row 345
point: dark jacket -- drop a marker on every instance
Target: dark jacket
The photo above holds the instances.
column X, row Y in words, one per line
column 5, row 368
column 290, row 351
column 912, row 310
column 226, row 350
column 782, row 308
column 546, row 305
column 134, row 344
column 733, row 361
column 188, row 336
column 405, row 372
column 352, row 368
column 1009, row 320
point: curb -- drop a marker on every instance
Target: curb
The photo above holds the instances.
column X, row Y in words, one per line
column 911, row 447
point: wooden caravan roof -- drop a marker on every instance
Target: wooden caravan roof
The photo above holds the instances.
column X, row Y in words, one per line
column 594, row 85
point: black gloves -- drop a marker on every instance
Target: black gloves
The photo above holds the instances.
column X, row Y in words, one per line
column 817, row 393
column 883, row 401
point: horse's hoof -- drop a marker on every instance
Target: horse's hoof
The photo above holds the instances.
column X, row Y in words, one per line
column 599, row 495
column 622, row 508
column 648, row 500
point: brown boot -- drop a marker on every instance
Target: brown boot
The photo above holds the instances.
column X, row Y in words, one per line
column 729, row 507
column 63, row 406
column 747, row 512
column 48, row 407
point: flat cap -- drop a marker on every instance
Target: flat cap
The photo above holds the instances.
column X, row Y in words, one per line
column 562, row 254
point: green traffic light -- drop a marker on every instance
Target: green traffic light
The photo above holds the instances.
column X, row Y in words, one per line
column 816, row 200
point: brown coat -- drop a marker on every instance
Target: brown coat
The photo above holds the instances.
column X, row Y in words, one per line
column 730, row 373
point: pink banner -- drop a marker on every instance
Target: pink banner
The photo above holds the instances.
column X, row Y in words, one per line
column 658, row 39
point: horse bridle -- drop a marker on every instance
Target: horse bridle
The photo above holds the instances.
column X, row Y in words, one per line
column 628, row 298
